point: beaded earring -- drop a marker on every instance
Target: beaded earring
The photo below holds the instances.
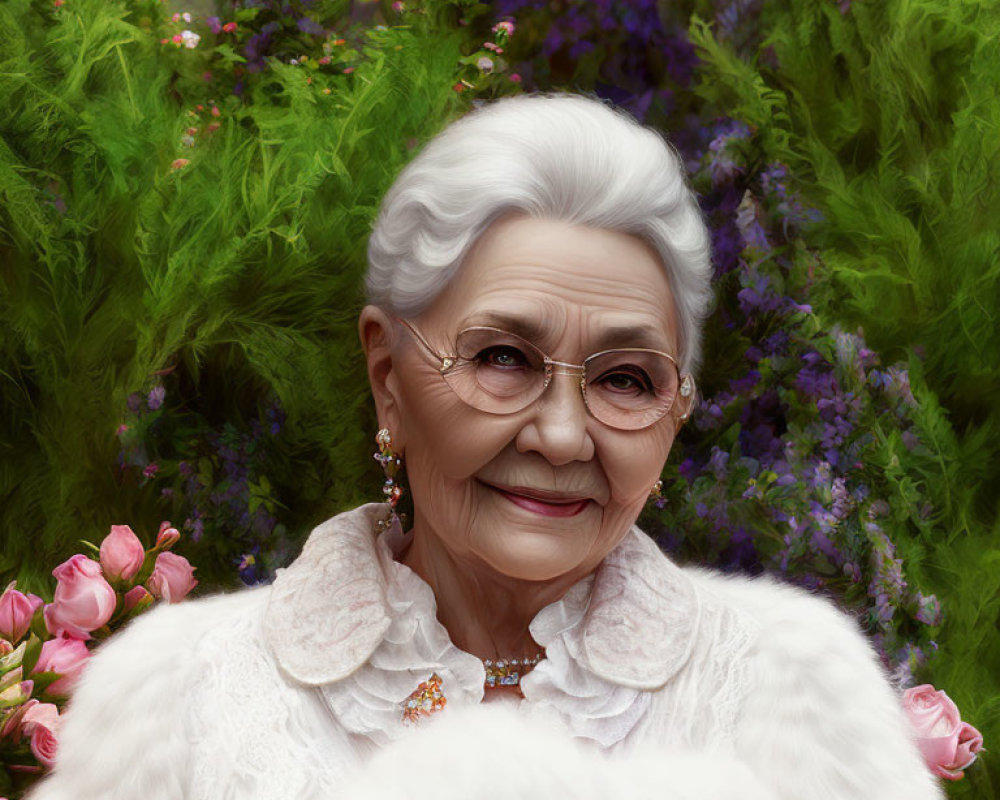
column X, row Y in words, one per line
column 390, row 463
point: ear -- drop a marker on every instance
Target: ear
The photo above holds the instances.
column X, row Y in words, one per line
column 375, row 327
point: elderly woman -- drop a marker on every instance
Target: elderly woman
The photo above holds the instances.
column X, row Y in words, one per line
column 537, row 279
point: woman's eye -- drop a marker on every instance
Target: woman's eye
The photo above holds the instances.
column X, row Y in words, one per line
column 503, row 357
column 632, row 380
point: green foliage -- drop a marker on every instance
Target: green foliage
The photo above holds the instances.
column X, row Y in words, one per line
column 230, row 260
column 886, row 114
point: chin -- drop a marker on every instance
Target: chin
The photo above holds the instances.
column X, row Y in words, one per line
column 540, row 551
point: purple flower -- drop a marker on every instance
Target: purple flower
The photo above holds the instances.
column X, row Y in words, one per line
column 214, row 25
column 155, row 398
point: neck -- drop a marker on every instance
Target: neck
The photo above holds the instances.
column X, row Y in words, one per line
column 485, row 612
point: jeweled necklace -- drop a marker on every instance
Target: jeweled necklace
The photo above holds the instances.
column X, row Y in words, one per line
column 508, row 671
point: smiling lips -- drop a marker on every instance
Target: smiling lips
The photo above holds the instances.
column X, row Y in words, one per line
column 548, row 504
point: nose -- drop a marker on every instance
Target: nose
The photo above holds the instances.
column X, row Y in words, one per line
column 557, row 427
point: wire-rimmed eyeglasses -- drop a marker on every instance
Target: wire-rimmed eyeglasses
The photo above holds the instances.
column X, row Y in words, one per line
column 501, row 373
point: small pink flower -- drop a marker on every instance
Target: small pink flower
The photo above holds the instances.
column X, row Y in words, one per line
column 151, row 470
column 83, row 601
column 179, row 163
column 514, row 78
column 398, row 7
column 324, row 60
column 177, row 39
column 172, row 578
column 121, row 430
column 136, row 595
column 167, row 536
column 68, row 657
column 212, row 127
column 229, row 27
column 348, row 70
column 505, row 27
column 16, row 611
column 215, row 111
column 121, row 553
column 41, row 722
column 947, row 744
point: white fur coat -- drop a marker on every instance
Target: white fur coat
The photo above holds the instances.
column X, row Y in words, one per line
column 658, row 682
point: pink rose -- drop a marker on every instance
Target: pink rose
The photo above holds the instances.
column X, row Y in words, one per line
column 41, row 722
column 136, row 595
column 68, row 657
column 947, row 744
column 16, row 611
column 83, row 602
column 121, row 553
column 172, row 578
column 167, row 536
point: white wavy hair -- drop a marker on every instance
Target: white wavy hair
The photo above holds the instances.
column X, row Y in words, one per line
column 555, row 156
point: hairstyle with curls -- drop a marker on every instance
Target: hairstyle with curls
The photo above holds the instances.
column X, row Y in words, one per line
column 556, row 156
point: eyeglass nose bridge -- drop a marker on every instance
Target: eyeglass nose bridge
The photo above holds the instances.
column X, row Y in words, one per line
column 553, row 367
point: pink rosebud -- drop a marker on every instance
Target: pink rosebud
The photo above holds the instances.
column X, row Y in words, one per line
column 515, row 78
column 172, row 578
column 506, row 28
column 83, row 601
column 16, row 693
column 16, row 611
column 215, row 111
column 167, row 536
column 229, row 27
column 121, row 553
column 136, row 595
column 12, row 722
column 177, row 38
column 41, row 723
column 68, row 657
column 348, row 70
column 947, row 744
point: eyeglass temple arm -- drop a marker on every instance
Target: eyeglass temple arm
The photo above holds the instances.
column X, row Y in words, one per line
column 447, row 362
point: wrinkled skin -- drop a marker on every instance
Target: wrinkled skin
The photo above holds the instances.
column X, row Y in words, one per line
column 493, row 562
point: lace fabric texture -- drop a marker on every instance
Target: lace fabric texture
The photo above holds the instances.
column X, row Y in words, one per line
column 619, row 643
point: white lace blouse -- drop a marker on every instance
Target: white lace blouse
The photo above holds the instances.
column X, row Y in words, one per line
column 283, row 691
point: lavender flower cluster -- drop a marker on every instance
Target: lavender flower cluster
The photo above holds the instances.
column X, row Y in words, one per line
column 212, row 477
column 782, row 472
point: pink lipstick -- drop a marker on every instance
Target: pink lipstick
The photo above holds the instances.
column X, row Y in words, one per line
column 538, row 501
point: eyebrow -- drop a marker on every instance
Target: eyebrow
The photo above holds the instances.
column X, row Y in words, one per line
column 532, row 330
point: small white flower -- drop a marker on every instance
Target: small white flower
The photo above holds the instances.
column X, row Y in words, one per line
column 485, row 64
column 186, row 16
column 190, row 39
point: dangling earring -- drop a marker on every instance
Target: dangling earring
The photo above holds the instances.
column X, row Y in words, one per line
column 656, row 495
column 390, row 463
column 686, row 390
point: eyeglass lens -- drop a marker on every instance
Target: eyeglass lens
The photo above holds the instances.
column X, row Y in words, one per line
column 500, row 372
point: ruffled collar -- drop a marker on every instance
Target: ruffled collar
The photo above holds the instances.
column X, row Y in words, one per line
column 349, row 619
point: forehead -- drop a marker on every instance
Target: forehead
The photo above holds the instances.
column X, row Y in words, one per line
column 567, row 280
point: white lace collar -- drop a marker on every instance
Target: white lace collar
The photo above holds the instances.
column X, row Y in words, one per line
column 349, row 619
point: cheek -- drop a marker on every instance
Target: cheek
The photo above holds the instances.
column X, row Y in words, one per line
column 445, row 438
column 634, row 464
